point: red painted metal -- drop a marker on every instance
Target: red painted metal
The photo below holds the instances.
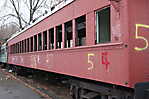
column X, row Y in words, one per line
column 116, row 62
column 138, row 63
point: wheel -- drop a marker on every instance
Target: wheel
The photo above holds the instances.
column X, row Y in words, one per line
column 75, row 92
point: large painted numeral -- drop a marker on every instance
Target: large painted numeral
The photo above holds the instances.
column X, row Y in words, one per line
column 90, row 61
column 105, row 60
column 141, row 37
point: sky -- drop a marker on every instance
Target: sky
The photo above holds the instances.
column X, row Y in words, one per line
column 6, row 8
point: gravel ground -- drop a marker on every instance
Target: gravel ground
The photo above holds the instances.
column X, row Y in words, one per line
column 49, row 89
column 13, row 89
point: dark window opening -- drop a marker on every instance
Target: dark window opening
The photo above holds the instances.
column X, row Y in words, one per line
column 35, row 43
column 14, row 48
column 45, row 40
column 68, row 34
column 11, row 51
column 39, row 42
column 20, row 47
column 103, row 34
column 51, row 38
column 28, row 45
column 81, row 31
column 59, row 36
column 31, row 39
column 25, row 45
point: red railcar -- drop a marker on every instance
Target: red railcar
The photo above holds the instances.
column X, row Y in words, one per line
column 105, row 41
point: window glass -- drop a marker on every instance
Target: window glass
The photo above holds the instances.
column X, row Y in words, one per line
column 103, row 34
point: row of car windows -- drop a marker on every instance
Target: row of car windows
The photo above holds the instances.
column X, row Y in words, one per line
column 45, row 40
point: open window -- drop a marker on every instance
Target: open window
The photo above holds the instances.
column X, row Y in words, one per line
column 25, row 41
column 20, row 47
column 81, row 31
column 39, row 42
column 35, row 42
column 103, row 34
column 16, row 48
column 51, row 38
column 31, row 39
column 45, row 40
column 11, row 49
column 28, row 45
column 68, row 34
column 59, row 36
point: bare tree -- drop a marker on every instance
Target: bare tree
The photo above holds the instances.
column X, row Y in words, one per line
column 15, row 19
column 6, row 30
column 32, row 5
column 16, row 6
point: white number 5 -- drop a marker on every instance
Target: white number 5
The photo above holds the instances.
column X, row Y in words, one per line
column 141, row 37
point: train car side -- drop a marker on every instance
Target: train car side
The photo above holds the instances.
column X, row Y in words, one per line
column 139, row 39
column 97, row 60
column 92, row 42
